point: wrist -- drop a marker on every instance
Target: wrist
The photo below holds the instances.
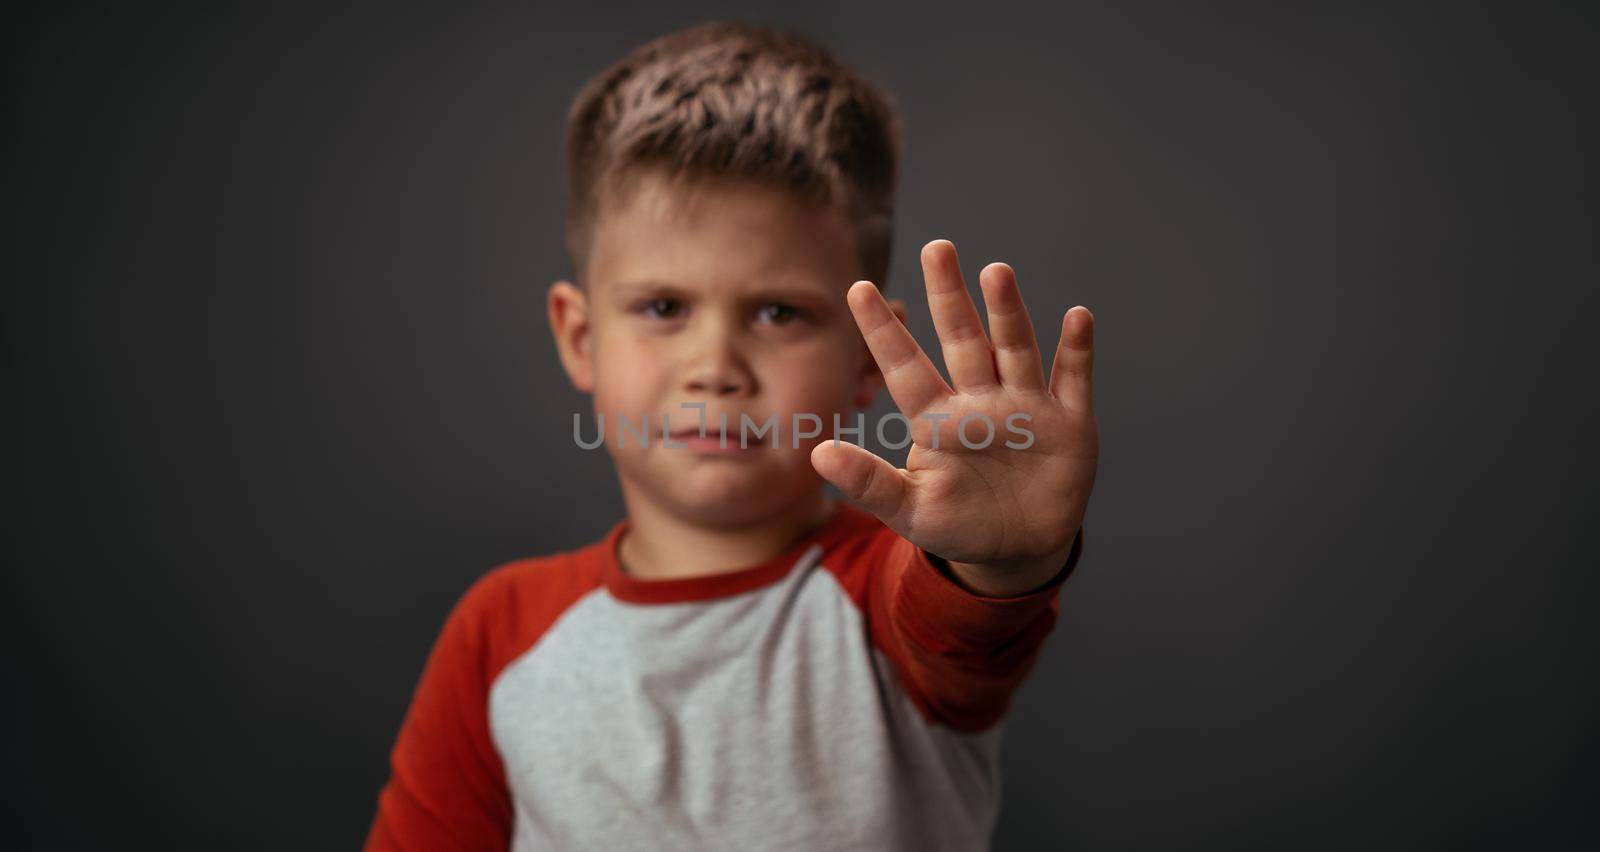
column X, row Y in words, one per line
column 1015, row 578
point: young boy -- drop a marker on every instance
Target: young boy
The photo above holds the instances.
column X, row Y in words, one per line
column 739, row 663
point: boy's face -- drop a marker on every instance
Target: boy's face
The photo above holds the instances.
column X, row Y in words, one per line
column 723, row 292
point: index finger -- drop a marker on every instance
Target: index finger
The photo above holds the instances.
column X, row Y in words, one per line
column 911, row 378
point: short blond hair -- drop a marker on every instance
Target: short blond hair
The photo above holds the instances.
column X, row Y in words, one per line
column 738, row 100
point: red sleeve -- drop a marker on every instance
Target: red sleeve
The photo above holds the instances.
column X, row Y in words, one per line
column 447, row 787
column 960, row 655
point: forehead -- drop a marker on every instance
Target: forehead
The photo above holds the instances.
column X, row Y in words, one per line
column 720, row 233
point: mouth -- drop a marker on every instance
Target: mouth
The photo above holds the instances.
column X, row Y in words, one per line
column 711, row 442
column 711, row 427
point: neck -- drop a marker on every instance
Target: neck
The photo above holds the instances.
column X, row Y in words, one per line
column 659, row 545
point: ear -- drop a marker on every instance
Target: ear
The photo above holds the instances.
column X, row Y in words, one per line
column 870, row 380
column 568, row 308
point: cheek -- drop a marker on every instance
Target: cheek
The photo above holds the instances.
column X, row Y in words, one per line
column 818, row 381
column 626, row 376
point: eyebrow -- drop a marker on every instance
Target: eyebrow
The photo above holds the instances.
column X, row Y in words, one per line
column 786, row 291
column 631, row 289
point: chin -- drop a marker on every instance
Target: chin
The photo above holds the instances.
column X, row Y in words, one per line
column 719, row 499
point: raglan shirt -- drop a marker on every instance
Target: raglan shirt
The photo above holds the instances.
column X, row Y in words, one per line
column 846, row 694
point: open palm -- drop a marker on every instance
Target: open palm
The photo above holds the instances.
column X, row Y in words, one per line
column 1004, row 503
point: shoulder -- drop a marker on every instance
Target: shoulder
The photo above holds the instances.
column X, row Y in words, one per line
column 505, row 611
column 516, row 581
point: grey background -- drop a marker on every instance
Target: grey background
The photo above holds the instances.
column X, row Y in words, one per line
column 282, row 388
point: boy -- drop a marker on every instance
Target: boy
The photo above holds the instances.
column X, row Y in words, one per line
column 739, row 663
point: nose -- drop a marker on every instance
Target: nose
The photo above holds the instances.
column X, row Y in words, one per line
column 716, row 365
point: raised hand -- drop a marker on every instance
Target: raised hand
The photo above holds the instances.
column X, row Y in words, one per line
column 1003, row 517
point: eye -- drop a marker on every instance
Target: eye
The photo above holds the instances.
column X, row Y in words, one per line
column 778, row 313
column 662, row 308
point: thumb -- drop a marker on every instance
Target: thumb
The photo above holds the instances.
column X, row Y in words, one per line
column 870, row 481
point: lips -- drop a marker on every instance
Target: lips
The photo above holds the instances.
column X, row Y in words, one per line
column 711, row 434
column 713, row 441
column 713, row 428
